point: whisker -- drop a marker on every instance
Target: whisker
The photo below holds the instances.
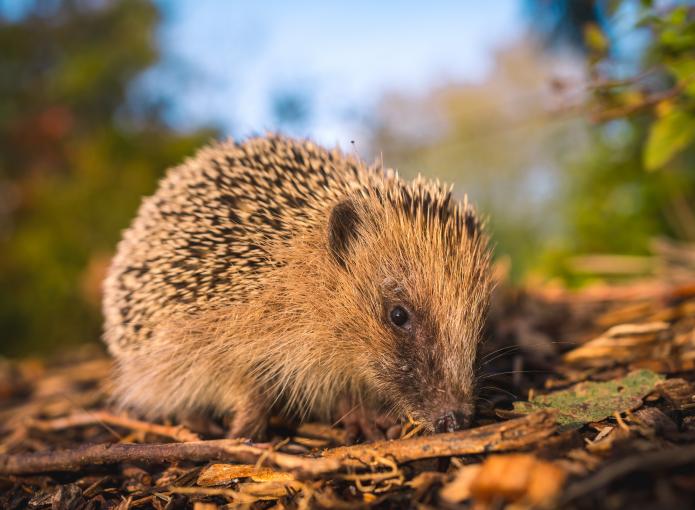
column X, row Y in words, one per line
column 497, row 388
column 487, row 376
column 483, row 399
column 503, row 351
column 346, row 415
column 500, row 355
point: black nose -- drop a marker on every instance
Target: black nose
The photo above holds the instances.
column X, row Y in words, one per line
column 451, row 421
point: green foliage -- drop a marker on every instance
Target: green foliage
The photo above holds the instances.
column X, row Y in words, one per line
column 76, row 155
column 668, row 136
column 637, row 180
column 568, row 173
column 596, row 41
column 673, row 129
column 495, row 142
column 614, row 206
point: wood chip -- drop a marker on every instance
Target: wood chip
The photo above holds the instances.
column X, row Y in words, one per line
column 220, row 474
column 623, row 344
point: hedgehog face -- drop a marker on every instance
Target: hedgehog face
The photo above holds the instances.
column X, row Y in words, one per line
column 431, row 344
column 423, row 288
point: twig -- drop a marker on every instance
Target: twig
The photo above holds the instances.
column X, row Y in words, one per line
column 629, row 109
column 608, row 83
column 178, row 433
column 229, row 450
column 509, row 435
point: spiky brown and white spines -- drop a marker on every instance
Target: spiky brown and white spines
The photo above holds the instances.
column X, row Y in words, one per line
column 198, row 241
column 257, row 277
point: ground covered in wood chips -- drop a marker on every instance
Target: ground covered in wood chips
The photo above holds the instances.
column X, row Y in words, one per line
column 587, row 401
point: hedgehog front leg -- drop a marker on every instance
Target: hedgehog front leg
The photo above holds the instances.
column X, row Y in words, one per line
column 249, row 417
column 371, row 424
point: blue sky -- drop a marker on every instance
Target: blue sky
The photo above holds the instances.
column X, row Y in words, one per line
column 343, row 56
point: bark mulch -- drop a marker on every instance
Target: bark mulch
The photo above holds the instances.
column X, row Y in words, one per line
column 587, row 401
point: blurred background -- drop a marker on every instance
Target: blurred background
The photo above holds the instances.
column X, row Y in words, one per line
column 571, row 123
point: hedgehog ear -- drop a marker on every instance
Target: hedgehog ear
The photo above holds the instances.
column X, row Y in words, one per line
column 342, row 230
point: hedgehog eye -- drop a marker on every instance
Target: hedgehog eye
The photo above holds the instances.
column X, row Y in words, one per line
column 399, row 316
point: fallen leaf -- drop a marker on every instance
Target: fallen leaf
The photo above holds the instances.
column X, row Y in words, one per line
column 519, row 478
column 545, row 483
column 594, row 401
column 199, row 505
column 505, row 476
column 459, row 489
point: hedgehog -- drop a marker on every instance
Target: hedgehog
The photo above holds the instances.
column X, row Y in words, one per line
column 277, row 277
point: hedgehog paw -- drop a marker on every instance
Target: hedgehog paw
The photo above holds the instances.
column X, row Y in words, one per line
column 249, row 422
column 367, row 424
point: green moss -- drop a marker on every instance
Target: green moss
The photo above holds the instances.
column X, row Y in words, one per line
column 594, row 401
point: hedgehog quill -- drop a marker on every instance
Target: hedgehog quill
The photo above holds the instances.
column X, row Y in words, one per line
column 277, row 276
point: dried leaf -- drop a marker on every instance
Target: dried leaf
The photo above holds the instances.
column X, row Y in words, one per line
column 459, row 489
column 522, row 478
column 545, row 483
column 199, row 505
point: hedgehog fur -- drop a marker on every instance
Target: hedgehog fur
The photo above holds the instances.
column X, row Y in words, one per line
column 266, row 276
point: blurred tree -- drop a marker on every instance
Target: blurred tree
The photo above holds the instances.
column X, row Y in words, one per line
column 562, row 22
column 498, row 140
column 77, row 152
column 291, row 108
column 585, row 149
column 637, row 179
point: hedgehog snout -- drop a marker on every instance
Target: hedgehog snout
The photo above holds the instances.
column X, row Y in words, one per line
column 453, row 420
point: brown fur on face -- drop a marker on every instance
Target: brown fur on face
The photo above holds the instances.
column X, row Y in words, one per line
column 431, row 261
column 297, row 315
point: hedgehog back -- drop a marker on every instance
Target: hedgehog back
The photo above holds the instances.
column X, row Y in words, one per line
column 199, row 240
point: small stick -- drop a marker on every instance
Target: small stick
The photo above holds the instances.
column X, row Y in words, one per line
column 230, row 450
column 509, row 435
column 178, row 433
